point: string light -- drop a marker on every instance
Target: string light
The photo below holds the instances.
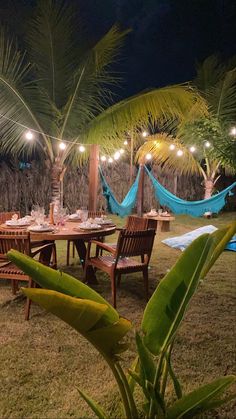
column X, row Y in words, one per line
column 110, row 160
column 207, row 144
column 117, row 155
column 180, row 153
column 121, row 151
column 62, row 146
column 233, row 131
column 103, row 158
column 144, row 134
column 148, row 156
column 29, row 135
column 172, row 147
column 192, row 149
column 125, row 142
column 81, row 148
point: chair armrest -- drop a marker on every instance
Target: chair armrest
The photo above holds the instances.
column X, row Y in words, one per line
column 104, row 246
column 120, row 228
column 39, row 250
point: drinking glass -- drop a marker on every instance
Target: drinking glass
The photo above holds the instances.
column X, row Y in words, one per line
column 84, row 214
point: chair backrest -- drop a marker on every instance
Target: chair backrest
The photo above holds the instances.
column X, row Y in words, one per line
column 4, row 216
column 94, row 214
column 136, row 223
column 135, row 243
column 18, row 240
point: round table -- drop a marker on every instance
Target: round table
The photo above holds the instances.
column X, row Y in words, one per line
column 71, row 231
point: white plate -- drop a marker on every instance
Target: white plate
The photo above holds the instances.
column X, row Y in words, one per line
column 91, row 227
column 38, row 229
column 16, row 225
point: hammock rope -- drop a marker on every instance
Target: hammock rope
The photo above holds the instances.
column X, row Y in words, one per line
column 113, row 206
column 193, row 208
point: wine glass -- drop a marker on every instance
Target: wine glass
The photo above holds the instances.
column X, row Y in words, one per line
column 84, row 214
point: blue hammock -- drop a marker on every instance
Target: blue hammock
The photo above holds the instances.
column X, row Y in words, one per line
column 126, row 206
column 194, row 208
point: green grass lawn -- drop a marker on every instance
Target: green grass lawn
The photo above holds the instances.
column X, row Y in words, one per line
column 43, row 360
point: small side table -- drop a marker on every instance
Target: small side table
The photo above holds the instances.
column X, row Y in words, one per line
column 163, row 223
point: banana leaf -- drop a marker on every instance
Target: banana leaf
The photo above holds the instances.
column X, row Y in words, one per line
column 165, row 310
column 59, row 281
column 197, row 401
column 82, row 315
column 220, row 239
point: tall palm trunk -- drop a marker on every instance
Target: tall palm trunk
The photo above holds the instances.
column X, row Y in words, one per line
column 57, row 175
column 208, row 187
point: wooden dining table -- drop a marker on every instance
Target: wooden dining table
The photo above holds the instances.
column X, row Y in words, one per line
column 72, row 231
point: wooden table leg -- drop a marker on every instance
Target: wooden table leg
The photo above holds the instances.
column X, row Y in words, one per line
column 81, row 249
column 165, row 226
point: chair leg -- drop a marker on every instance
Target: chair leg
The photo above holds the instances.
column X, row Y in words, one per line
column 31, row 284
column 113, row 289
column 73, row 250
column 68, row 253
column 54, row 257
column 14, row 286
column 145, row 279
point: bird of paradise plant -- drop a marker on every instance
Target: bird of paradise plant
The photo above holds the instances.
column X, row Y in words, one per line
column 94, row 318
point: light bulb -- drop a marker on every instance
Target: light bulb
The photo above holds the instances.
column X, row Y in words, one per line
column 192, row 149
column 81, row 148
column 29, row 135
column 207, row 144
column 144, row 134
column 62, row 146
column 117, row 155
column 110, row 160
column 172, row 147
column 121, row 151
column 103, row 158
column 180, row 153
column 125, row 142
column 233, row 131
column 148, row 156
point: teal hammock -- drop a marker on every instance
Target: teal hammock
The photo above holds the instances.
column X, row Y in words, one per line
column 194, row 208
column 126, row 206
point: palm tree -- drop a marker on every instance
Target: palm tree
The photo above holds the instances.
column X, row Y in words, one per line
column 205, row 143
column 62, row 90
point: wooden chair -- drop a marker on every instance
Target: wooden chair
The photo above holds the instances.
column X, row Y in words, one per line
column 91, row 214
column 5, row 216
column 135, row 223
column 120, row 260
column 20, row 240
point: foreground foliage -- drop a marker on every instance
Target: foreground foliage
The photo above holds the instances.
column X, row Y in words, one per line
column 94, row 318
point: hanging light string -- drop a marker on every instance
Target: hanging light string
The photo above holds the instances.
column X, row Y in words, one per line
column 62, row 143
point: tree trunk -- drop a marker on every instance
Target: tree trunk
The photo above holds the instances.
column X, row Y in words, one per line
column 57, row 174
column 208, row 186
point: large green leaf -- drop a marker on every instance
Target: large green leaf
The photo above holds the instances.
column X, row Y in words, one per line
column 196, row 401
column 61, row 282
column 220, row 238
column 165, row 310
column 147, row 365
column 99, row 412
column 84, row 316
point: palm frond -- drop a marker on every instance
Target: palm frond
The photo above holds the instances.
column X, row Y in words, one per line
column 209, row 73
column 222, row 97
column 52, row 48
column 16, row 109
column 90, row 91
column 159, row 147
column 149, row 107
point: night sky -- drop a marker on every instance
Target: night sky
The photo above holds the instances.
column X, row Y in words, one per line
column 168, row 37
